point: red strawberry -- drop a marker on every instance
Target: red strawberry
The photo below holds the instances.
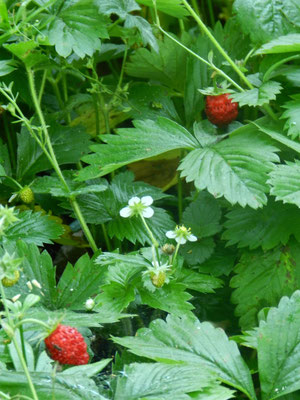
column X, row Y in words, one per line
column 67, row 346
column 221, row 110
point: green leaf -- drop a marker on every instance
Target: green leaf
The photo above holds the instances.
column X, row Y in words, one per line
column 275, row 131
column 261, row 279
column 266, row 20
column 196, row 253
column 284, row 44
column 278, row 349
column 235, row 168
column 151, row 102
column 170, row 7
column 147, row 139
column 292, row 114
column 162, row 382
column 171, row 298
column 167, row 66
column 220, row 263
column 213, row 393
column 69, row 144
column 76, row 28
column 258, row 96
column 26, row 51
column 6, row 67
column 78, row 283
column 99, row 208
column 120, row 7
column 145, row 29
column 33, row 227
column 4, row 159
column 200, row 282
column 267, row 227
column 189, row 342
column 66, row 387
column 203, row 216
column 285, row 183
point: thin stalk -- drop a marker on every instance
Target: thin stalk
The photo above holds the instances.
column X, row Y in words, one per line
column 195, row 5
column 18, row 350
column 153, row 240
column 65, row 94
column 179, row 196
column 181, row 26
column 42, row 87
column 14, row 181
column 211, row 13
column 23, row 343
column 9, row 141
column 176, row 252
column 106, row 238
column 219, row 71
column 217, row 45
column 31, row 321
column 54, row 162
column 56, row 92
column 97, row 116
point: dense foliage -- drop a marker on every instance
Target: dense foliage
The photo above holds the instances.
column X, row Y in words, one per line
column 169, row 244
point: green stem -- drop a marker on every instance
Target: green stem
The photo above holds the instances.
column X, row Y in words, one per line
column 106, row 238
column 18, row 350
column 176, row 252
column 9, row 141
column 65, row 93
column 219, row 71
column 153, row 240
column 56, row 92
column 23, row 343
column 42, row 87
column 32, row 321
column 179, row 196
column 97, row 116
column 54, row 162
column 14, row 181
column 195, row 5
column 217, row 45
column 211, row 13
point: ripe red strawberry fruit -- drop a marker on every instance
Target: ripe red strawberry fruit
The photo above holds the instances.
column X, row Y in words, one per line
column 67, row 346
column 221, row 110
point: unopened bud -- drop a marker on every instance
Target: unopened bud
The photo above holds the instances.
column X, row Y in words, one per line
column 168, row 249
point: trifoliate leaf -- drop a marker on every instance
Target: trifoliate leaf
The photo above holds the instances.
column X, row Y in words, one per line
column 145, row 29
column 235, row 168
column 186, row 340
column 261, row 279
column 292, row 114
column 147, row 139
column 285, row 182
column 267, row 227
column 258, row 96
column 77, row 27
column 200, row 282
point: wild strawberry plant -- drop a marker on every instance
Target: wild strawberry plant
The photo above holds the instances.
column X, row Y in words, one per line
column 149, row 190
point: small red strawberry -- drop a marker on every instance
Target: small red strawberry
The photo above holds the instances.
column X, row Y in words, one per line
column 221, row 110
column 67, row 345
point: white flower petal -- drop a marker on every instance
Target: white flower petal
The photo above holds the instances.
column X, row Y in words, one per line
column 126, row 212
column 192, row 238
column 180, row 240
column 147, row 200
column 148, row 212
column 171, row 234
column 134, row 200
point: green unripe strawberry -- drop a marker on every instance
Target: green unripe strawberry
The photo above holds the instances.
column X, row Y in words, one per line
column 158, row 279
column 26, row 195
column 11, row 282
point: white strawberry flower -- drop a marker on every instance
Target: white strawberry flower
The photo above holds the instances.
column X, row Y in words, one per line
column 181, row 234
column 137, row 206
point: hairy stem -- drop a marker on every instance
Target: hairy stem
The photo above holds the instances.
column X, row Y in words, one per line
column 54, row 162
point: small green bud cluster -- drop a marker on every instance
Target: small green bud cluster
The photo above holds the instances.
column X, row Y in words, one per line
column 7, row 218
